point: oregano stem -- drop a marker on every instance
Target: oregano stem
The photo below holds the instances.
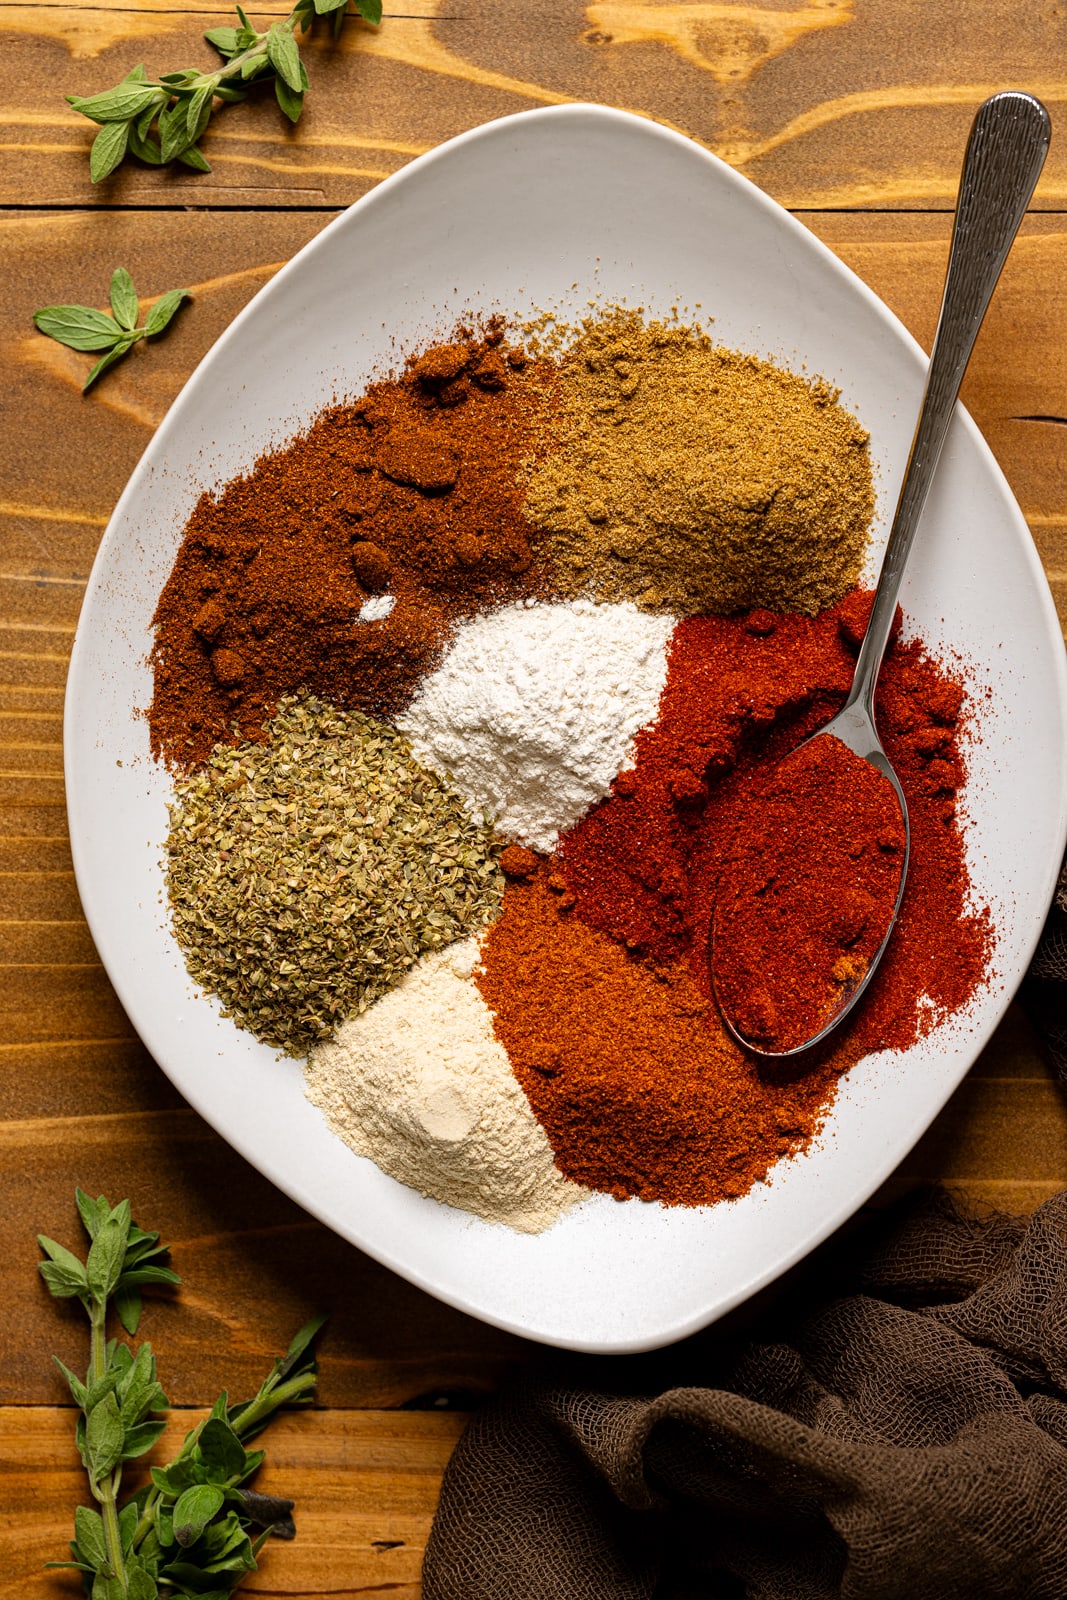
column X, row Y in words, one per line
column 97, row 1340
column 109, row 1511
column 191, row 1533
column 253, row 53
column 160, row 120
column 264, row 1404
column 105, row 1491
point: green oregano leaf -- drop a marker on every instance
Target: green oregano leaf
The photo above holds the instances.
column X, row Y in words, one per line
column 108, row 1252
column 284, row 56
column 221, row 1451
column 290, row 101
column 108, row 149
column 103, row 1438
column 104, row 1385
column 145, row 148
column 129, row 1517
column 137, row 1385
column 173, row 131
column 194, row 1510
column 107, row 361
column 127, row 1299
column 194, row 159
column 140, row 1438
column 92, row 1212
column 174, row 1479
column 151, row 1274
column 124, row 303
column 77, row 1388
column 140, row 1585
column 224, row 40
column 300, row 1343
column 82, row 328
column 89, row 1534
column 60, row 1257
column 120, row 104
column 61, row 1283
column 198, row 113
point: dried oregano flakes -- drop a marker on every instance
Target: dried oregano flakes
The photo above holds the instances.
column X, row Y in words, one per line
column 306, row 874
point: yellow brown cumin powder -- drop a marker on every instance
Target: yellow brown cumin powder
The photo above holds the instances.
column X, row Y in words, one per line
column 690, row 478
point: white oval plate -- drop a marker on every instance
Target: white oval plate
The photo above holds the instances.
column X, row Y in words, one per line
column 552, row 208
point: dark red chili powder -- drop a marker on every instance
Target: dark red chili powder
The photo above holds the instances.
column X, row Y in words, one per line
column 411, row 490
column 607, row 944
column 806, row 894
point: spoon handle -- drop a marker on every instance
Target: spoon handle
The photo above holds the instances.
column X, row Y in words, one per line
column 1005, row 153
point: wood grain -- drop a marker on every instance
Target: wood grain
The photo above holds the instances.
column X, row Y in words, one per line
column 829, row 104
column 853, row 115
column 1016, row 385
column 365, row 1485
column 51, row 520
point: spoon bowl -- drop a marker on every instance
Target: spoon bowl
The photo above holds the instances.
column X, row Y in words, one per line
column 854, row 729
column 1005, row 152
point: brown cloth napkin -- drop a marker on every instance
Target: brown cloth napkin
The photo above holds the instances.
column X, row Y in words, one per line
column 1045, row 990
column 896, row 1432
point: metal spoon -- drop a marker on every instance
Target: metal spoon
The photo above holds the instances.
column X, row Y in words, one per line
column 1005, row 153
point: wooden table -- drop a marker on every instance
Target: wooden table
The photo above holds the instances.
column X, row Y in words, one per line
column 851, row 112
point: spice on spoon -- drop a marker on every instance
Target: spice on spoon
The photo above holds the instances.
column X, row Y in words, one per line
column 806, row 898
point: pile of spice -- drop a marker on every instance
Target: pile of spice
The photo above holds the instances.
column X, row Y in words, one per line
column 341, row 563
column 533, row 710
column 470, row 690
column 597, row 973
column 691, row 478
column 627, row 1067
column 306, row 874
column 421, row 1084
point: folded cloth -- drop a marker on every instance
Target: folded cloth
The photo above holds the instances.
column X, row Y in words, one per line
column 901, row 1435
column 1045, row 991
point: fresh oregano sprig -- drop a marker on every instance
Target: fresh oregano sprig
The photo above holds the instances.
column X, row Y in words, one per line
column 193, row 1530
column 160, row 120
column 85, row 328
